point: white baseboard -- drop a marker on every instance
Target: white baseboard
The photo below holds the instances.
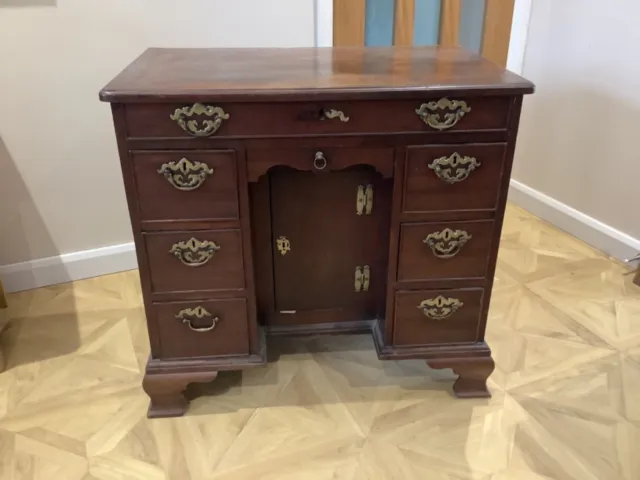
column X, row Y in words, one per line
column 68, row 267
column 597, row 234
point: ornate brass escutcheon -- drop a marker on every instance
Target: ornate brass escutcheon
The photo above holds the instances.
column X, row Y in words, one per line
column 364, row 199
column 455, row 110
column 330, row 114
column 454, row 168
column 447, row 243
column 283, row 244
column 440, row 307
column 189, row 314
column 185, row 175
column 362, row 279
column 203, row 128
column 193, row 252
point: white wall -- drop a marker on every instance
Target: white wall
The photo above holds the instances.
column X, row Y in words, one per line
column 60, row 184
column 578, row 158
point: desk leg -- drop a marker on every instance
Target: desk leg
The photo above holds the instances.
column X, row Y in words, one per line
column 166, row 391
column 472, row 375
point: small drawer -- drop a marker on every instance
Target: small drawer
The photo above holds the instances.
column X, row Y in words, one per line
column 203, row 328
column 433, row 114
column 203, row 260
column 186, row 185
column 453, row 177
column 432, row 317
column 260, row 160
column 441, row 250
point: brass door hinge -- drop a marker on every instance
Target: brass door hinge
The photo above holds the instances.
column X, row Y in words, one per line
column 362, row 279
column 364, row 199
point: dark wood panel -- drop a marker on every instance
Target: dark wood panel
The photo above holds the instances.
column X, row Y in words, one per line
column 412, row 327
column 303, row 73
column 328, row 241
column 304, row 159
column 246, row 119
column 229, row 335
column 223, row 271
column 425, row 191
column 464, row 253
column 215, row 198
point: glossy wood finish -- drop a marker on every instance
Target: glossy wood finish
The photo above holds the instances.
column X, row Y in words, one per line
column 419, row 262
column 424, row 191
column 265, row 184
column 412, row 327
column 168, row 274
column 160, row 201
column 228, row 337
column 317, row 213
column 293, row 74
column 258, row 119
column 302, row 159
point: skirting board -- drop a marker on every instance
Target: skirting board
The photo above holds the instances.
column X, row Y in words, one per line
column 118, row 258
column 597, row 234
column 68, row 267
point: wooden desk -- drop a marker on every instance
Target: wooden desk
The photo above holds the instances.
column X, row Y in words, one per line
column 305, row 191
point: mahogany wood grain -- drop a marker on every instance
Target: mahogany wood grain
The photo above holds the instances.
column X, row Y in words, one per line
column 215, row 199
column 302, row 159
column 317, row 213
column 224, row 271
column 264, row 182
column 472, row 375
column 424, row 191
column 259, row 119
column 293, row 74
column 230, row 335
column 419, row 262
column 412, row 327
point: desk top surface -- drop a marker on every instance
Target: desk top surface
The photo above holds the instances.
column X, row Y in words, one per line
column 301, row 73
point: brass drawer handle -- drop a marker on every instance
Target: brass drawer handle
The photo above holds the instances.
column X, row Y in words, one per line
column 455, row 110
column 203, row 128
column 447, row 243
column 193, row 252
column 319, row 161
column 454, row 168
column 185, row 175
column 331, row 113
column 189, row 314
column 440, row 307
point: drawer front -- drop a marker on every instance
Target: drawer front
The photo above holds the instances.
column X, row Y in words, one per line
column 432, row 317
column 453, row 177
column 202, row 260
column 307, row 118
column 442, row 250
column 318, row 159
column 203, row 328
column 187, row 185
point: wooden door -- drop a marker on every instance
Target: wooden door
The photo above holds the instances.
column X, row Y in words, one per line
column 323, row 241
column 481, row 25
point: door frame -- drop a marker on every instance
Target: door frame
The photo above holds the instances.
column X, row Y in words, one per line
column 507, row 44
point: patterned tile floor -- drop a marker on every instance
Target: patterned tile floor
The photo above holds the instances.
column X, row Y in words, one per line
column 564, row 326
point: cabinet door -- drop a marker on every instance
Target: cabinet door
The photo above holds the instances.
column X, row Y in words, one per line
column 319, row 241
